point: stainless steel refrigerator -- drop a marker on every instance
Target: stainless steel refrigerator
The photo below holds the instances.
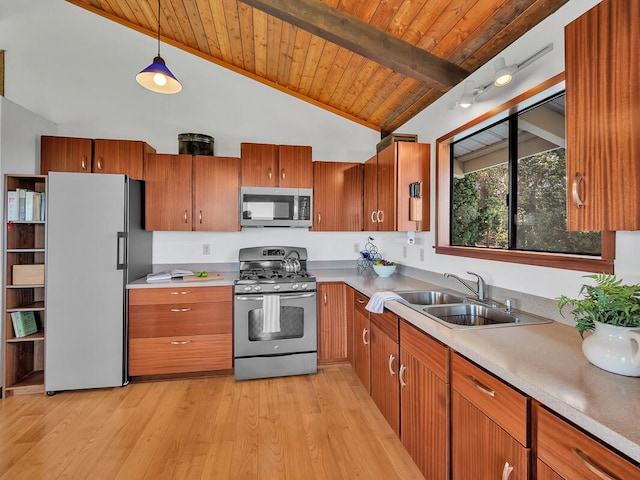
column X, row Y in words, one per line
column 96, row 243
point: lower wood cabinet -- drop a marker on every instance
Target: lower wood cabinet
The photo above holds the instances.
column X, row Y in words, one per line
column 385, row 352
column 361, row 339
column 489, row 426
column 180, row 329
column 565, row 452
column 332, row 323
column 424, row 401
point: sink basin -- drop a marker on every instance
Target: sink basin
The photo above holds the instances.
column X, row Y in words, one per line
column 429, row 297
column 472, row 315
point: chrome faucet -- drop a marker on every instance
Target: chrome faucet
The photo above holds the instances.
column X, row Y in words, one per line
column 478, row 291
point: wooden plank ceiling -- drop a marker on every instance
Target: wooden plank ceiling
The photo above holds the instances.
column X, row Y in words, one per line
column 409, row 52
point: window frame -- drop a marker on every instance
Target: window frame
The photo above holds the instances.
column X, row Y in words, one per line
column 604, row 263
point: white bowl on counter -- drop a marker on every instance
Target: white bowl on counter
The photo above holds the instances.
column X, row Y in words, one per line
column 384, row 270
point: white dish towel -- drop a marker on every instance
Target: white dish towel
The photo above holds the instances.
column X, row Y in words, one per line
column 271, row 313
column 376, row 302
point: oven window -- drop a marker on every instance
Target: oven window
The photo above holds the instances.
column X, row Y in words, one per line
column 291, row 324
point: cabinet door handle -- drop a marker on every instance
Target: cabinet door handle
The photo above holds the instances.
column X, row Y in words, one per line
column 506, row 472
column 269, row 173
column 373, row 217
column 391, row 359
column 180, row 342
column 591, row 466
column 100, row 164
column 283, row 175
column 200, row 217
column 83, row 163
column 319, row 218
column 482, row 388
column 324, row 298
column 180, row 309
column 180, row 293
column 575, row 190
column 380, row 216
column 364, row 334
column 401, row 376
column 185, row 216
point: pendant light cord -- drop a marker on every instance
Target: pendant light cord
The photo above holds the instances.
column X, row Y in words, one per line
column 158, row 27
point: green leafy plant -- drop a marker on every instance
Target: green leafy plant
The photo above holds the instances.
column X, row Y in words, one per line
column 608, row 301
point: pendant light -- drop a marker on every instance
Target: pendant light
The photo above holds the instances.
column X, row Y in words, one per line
column 157, row 77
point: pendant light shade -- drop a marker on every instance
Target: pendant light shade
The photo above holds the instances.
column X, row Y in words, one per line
column 157, row 77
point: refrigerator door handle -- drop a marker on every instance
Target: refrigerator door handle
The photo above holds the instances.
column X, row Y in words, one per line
column 121, row 251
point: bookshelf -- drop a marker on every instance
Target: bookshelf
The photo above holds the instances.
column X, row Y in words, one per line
column 25, row 255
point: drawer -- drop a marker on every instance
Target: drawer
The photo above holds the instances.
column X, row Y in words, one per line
column 388, row 322
column 180, row 319
column 573, row 454
column 180, row 354
column 181, row 293
column 497, row 400
column 360, row 302
column 425, row 349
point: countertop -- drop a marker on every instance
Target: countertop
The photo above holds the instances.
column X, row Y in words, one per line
column 543, row 361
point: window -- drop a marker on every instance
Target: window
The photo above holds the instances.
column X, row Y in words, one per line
column 502, row 180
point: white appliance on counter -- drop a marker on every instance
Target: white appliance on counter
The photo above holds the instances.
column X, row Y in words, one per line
column 96, row 244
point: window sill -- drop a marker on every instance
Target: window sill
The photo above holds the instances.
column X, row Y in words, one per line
column 567, row 262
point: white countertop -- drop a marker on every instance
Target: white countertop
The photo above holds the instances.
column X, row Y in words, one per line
column 543, row 361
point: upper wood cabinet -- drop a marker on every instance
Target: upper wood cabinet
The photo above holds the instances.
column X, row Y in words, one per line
column 185, row 192
column 266, row 165
column 121, row 156
column 67, row 154
column 388, row 176
column 337, row 196
column 602, row 117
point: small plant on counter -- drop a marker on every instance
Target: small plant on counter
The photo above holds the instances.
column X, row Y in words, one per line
column 609, row 301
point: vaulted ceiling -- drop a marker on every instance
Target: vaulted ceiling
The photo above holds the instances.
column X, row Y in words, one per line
column 376, row 62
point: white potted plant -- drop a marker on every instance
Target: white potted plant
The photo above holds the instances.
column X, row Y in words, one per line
column 609, row 310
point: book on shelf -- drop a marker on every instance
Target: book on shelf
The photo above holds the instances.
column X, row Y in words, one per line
column 168, row 275
column 43, row 206
column 28, row 205
column 37, row 199
column 22, row 198
column 13, row 209
column 24, row 323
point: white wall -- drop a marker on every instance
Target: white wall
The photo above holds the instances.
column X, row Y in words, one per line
column 77, row 70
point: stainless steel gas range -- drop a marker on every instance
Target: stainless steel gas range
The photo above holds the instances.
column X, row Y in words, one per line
column 275, row 332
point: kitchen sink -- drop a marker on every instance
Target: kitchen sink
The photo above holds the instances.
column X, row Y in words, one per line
column 430, row 297
column 474, row 315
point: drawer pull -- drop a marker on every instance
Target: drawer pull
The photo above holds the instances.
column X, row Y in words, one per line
column 401, row 375
column 593, row 468
column 506, row 472
column 364, row 334
column 391, row 359
column 180, row 309
column 180, row 293
column 180, row 342
column 482, row 388
column 360, row 301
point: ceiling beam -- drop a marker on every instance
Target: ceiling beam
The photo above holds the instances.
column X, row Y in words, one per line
column 353, row 34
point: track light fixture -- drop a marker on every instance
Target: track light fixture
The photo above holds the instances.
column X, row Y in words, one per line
column 502, row 76
column 157, row 77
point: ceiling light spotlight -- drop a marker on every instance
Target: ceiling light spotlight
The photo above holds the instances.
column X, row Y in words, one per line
column 157, row 77
column 504, row 73
column 467, row 98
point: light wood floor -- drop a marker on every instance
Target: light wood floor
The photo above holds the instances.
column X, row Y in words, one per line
column 322, row 426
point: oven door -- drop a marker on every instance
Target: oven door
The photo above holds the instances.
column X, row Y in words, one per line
column 297, row 332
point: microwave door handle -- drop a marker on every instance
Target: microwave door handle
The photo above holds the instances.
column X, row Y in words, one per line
column 296, row 199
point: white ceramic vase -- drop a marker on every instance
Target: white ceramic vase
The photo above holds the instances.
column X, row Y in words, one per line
column 614, row 349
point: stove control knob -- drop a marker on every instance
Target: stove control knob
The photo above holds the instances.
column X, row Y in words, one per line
column 257, row 288
column 247, row 288
column 295, row 286
column 276, row 287
column 304, row 286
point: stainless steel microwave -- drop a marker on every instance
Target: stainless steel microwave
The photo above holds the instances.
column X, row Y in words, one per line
column 275, row 207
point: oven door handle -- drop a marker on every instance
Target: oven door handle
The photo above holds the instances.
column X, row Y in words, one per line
column 282, row 297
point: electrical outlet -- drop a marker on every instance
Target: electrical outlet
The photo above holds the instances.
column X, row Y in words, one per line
column 206, row 249
column 356, row 248
column 404, row 252
column 422, row 254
